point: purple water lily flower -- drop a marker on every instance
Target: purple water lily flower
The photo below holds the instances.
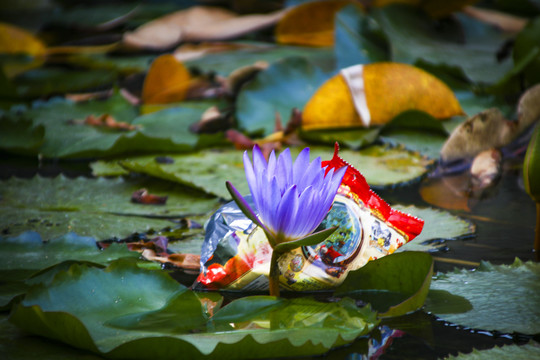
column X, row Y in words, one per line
column 291, row 198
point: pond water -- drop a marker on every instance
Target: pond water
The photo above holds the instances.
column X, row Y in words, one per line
column 505, row 220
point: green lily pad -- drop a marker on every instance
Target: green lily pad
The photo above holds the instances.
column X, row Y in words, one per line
column 413, row 35
column 51, row 81
column 205, row 170
column 16, row 344
column 439, row 225
column 226, row 62
column 396, row 284
column 285, row 85
column 107, row 168
column 101, row 208
column 119, row 64
column 20, row 136
column 28, row 251
column 527, row 41
column 503, row 297
column 382, row 166
column 528, row 351
column 96, row 309
column 417, row 131
column 358, row 39
column 208, row 170
column 67, row 136
column 95, row 16
column 355, row 138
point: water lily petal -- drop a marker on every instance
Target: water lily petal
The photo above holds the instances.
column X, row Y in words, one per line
column 300, row 166
column 311, row 173
column 259, row 162
column 271, row 164
column 287, row 208
column 274, row 196
column 250, row 175
column 284, row 170
column 305, row 221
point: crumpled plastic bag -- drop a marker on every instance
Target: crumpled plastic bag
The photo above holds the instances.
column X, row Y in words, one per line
column 236, row 254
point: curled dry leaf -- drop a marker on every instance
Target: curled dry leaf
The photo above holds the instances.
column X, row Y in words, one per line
column 310, row 23
column 89, row 96
column 142, row 196
column 485, row 169
column 182, row 261
column 240, row 76
column 490, row 129
column 168, row 80
column 503, row 21
column 274, row 141
column 373, row 94
column 212, row 121
column 198, row 23
column 105, row 121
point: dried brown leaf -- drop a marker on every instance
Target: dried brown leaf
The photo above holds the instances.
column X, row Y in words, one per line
column 142, row 196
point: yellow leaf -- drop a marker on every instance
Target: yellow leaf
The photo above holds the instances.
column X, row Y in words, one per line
column 167, row 81
column 14, row 40
column 310, row 23
column 380, row 92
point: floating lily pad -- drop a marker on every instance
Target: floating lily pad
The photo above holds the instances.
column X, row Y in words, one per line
column 439, row 225
column 66, row 135
column 16, row 344
column 224, row 63
column 93, row 309
column 107, row 168
column 52, row 81
column 516, row 352
column 413, row 35
column 285, row 85
column 205, row 170
column 417, row 131
column 354, row 138
column 402, row 281
column 20, row 137
column 503, row 297
column 357, row 38
column 209, row 169
column 100, row 208
column 27, row 253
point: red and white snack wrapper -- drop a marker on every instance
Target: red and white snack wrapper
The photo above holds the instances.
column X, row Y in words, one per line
column 236, row 254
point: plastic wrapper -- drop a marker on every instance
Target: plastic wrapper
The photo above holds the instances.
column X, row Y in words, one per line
column 236, row 254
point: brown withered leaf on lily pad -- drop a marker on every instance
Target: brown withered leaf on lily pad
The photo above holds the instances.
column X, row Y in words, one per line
column 106, row 121
column 490, row 128
column 198, row 23
column 311, row 23
column 373, row 94
column 168, row 80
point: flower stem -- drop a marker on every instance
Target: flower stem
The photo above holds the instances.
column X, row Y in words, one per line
column 273, row 276
column 537, row 233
